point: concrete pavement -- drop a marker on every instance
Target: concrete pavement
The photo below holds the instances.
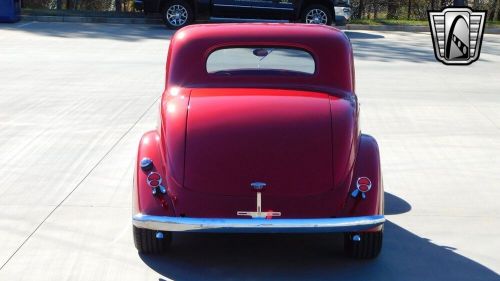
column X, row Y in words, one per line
column 75, row 99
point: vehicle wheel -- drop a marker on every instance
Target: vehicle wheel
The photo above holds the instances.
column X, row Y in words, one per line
column 317, row 14
column 340, row 21
column 146, row 242
column 177, row 14
column 367, row 248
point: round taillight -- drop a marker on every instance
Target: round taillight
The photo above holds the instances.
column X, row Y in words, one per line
column 363, row 188
column 363, row 184
column 363, row 181
column 154, row 179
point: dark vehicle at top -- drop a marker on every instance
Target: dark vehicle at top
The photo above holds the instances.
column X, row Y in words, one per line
column 179, row 13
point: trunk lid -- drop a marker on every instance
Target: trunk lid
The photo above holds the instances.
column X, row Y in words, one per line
column 239, row 136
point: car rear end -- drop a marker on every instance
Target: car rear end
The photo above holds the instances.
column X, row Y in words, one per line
column 258, row 134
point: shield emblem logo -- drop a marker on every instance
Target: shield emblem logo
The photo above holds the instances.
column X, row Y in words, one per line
column 457, row 34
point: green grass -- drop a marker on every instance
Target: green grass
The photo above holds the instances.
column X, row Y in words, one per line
column 388, row 22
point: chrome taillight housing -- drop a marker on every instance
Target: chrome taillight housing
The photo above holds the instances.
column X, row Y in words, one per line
column 363, row 185
column 154, row 179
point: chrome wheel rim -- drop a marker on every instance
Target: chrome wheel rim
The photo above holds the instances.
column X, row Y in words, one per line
column 177, row 15
column 317, row 16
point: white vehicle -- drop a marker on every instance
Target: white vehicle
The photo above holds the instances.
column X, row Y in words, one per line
column 343, row 11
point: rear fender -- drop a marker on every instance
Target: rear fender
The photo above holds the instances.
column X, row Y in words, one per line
column 367, row 165
column 144, row 202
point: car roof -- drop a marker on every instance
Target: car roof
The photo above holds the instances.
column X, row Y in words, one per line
column 330, row 48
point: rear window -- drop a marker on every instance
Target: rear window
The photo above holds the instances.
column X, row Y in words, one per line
column 266, row 61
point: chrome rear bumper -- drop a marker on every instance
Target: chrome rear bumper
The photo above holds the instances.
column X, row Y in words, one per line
column 257, row 225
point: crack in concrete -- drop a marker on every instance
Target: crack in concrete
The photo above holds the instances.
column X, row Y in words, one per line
column 81, row 181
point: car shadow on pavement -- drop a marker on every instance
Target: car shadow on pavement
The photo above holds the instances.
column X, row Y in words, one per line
column 122, row 32
column 366, row 45
column 405, row 256
column 387, row 50
column 362, row 35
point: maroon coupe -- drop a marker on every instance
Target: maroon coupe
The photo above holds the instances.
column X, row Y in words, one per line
column 258, row 133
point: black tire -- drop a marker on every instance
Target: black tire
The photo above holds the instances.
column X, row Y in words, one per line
column 146, row 242
column 340, row 21
column 323, row 9
column 368, row 247
column 177, row 5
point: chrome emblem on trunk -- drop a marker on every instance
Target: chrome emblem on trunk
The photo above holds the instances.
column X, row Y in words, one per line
column 258, row 186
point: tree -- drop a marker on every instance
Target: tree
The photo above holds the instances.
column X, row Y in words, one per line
column 409, row 9
column 376, row 5
column 118, row 5
column 496, row 11
column 392, row 9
